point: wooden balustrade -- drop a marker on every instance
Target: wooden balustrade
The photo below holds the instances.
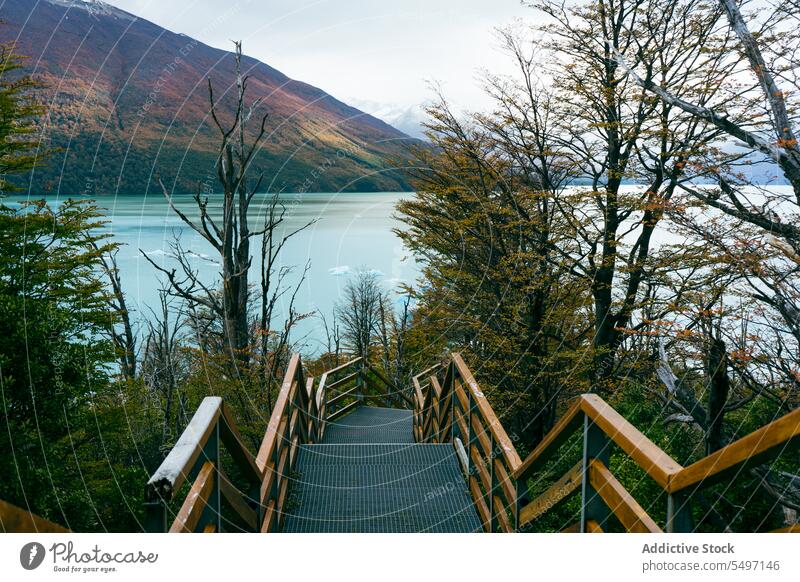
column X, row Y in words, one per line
column 257, row 504
column 196, row 457
column 14, row 519
column 449, row 406
column 299, row 416
column 291, row 424
column 340, row 390
column 421, row 405
column 391, row 393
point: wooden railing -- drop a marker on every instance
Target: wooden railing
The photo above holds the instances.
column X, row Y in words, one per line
column 14, row 519
column 354, row 383
column 449, row 406
column 291, row 424
column 300, row 415
column 196, row 458
column 258, row 503
column 340, row 390
column 424, row 411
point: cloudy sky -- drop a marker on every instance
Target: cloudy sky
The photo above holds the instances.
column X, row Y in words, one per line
column 379, row 55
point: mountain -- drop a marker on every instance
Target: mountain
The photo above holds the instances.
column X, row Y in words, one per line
column 128, row 102
column 410, row 120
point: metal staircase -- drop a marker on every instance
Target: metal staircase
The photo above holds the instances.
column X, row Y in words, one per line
column 352, row 453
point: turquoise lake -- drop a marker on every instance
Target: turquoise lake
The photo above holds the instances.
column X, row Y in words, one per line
column 351, row 232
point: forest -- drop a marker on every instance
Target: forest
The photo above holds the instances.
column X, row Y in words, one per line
column 624, row 220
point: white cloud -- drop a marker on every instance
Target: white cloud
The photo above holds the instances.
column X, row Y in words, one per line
column 377, row 50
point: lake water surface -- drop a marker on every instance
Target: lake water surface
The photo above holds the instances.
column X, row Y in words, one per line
column 350, row 232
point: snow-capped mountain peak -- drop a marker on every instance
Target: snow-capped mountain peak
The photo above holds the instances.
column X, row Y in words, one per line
column 94, row 7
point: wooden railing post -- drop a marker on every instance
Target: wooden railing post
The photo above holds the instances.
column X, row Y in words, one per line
column 595, row 446
column 212, row 513
column 492, row 483
column 679, row 513
column 471, row 437
column 521, row 490
column 155, row 516
column 360, row 384
column 450, row 407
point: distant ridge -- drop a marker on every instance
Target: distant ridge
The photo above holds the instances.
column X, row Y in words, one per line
column 128, row 101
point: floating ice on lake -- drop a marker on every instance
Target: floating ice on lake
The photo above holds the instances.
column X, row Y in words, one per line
column 339, row 271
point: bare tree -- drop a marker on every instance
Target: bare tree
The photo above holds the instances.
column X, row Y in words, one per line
column 274, row 344
column 333, row 337
column 231, row 237
column 359, row 312
column 761, row 119
column 164, row 368
column 124, row 339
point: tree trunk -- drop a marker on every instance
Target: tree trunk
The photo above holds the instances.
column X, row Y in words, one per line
column 718, row 388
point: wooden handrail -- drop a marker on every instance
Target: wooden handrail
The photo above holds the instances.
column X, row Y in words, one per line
column 270, row 440
column 290, row 425
column 619, row 501
column 501, row 438
column 233, row 442
column 498, row 478
column 555, row 494
column 418, row 389
column 344, row 366
column 453, row 407
column 14, row 519
column 654, row 461
column 192, row 509
column 754, row 449
column 197, row 451
column 174, row 470
column 428, row 371
column 327, row 400
column 236, row 500
column 343, row 381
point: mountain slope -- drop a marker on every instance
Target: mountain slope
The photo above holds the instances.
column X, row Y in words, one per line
column 128, row 102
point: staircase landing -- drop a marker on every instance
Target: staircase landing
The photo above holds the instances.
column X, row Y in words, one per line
column 370, row 425
column 368, row 475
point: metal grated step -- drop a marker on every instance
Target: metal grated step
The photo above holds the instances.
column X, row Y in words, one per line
column 367, row 424
column 378, row 454
column 378, row 487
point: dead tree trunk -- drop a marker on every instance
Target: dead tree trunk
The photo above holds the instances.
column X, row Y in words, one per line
column 124, row 339
column 231, row 237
